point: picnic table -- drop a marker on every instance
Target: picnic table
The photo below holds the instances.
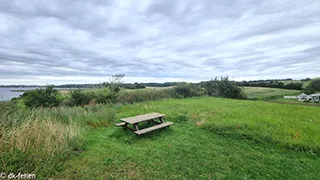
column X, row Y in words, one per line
column 150, row 118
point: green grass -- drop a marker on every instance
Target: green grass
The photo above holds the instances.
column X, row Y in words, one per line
column 265, row 93
column 212, row 138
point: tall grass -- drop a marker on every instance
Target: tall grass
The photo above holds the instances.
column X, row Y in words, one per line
column 41, row 140
column 24, row 148
column 144, row 95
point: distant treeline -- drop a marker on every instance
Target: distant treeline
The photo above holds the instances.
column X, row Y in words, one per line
column 271, row 84
column 135, row 85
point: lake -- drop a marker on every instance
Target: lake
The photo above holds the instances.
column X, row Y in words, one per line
column 6, row 93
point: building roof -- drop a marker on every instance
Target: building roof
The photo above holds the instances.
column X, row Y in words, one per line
column 315, row 95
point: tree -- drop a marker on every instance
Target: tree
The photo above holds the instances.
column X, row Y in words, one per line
column 296, row 86
column 112, row 87
column 223, row 87
column 314, row 86
column 187, row 90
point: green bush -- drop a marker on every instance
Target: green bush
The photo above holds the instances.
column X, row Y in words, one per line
column 78, row 98
column 47, row 97
column 105, row 96
column 223, row 87
column 184, row 90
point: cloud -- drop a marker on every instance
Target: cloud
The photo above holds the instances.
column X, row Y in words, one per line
column 65, row 41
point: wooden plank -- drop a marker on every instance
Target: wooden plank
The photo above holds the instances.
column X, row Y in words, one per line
column 120, row 124
column 159, row 126
column 141, row 118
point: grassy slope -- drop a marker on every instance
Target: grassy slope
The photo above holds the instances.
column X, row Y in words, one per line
column 262, row 92
column 220, row 138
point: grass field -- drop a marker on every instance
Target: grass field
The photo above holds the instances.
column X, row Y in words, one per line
column 212, row 138
column 263, row 93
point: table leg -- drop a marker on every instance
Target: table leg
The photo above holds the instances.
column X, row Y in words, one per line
column 161, row 119
column 136, row 126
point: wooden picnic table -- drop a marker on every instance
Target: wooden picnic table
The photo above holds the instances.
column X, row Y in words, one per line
column 151, row 117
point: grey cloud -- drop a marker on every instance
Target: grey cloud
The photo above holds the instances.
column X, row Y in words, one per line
column 154, row 39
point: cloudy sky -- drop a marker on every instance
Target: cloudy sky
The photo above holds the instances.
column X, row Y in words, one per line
column 87, row 41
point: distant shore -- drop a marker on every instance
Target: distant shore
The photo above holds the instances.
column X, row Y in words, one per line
column 26, row 90
column 20, row 90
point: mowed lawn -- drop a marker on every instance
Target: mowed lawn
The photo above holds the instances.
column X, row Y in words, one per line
column 212, row 138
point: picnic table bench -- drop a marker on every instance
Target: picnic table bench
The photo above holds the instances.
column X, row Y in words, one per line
column 151, row 117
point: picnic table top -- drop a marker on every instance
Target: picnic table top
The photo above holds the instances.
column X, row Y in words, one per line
column 141, row 118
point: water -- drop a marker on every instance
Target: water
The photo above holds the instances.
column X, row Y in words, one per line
column 6, row 93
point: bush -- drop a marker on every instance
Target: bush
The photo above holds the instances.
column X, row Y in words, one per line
column 47, row 97
column 223, row 87
column 105, row 96
column 78, row 98
column 184, row 90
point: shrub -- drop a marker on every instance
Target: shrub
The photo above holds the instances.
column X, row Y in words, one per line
column 106, row 95
column 183, row 90
column 223, row 87
column 78, row 98
column 48, row 97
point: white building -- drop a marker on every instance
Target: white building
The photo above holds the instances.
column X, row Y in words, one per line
column 304, row 97
column 315, row 97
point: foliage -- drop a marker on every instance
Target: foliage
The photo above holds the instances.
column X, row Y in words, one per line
column 306, row 79
column 78, row 98
column 132, row 86
column 47, row 97
column 165, row 84
column 272, row 84
column 296, row 86
column 113, row 87
column 313, row 87
column 105, row 96
column 223, row 87
column 144, row 95
column 184, row 90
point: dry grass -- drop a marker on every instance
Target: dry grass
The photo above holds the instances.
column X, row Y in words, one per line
column 34, row 142
column 47, row 137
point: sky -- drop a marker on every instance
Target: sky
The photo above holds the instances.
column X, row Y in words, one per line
column 87, row 41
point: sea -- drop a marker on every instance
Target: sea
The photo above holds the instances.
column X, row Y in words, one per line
column 7, row 93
